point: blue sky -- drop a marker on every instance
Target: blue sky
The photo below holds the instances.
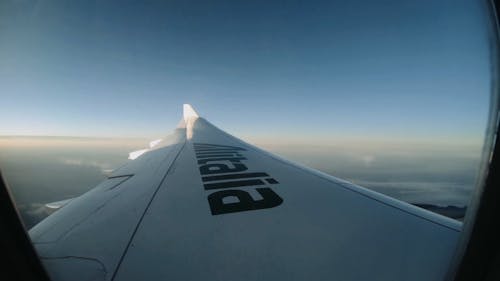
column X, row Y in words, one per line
column 255, row 68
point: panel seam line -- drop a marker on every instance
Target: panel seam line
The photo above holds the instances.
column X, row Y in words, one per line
column 145, row 211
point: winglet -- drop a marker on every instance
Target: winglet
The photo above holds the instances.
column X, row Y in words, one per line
column 190, row 117
column 189, row 112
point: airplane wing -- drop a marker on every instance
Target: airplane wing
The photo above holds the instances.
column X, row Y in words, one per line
column 204, row 205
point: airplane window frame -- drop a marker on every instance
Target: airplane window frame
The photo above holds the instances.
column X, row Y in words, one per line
column 22, row 261
column 478, row 253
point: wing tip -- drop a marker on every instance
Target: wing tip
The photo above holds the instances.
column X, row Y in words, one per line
column 189, row 112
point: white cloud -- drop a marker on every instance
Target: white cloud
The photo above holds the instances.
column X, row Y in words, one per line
column 105, row 168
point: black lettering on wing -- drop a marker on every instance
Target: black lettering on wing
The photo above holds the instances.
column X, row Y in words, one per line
column 218, row 168
column 245, row 201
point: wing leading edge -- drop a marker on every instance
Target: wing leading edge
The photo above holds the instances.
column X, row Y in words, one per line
column 208, row 205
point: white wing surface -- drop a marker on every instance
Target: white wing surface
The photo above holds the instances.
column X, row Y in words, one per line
column 203, row 205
